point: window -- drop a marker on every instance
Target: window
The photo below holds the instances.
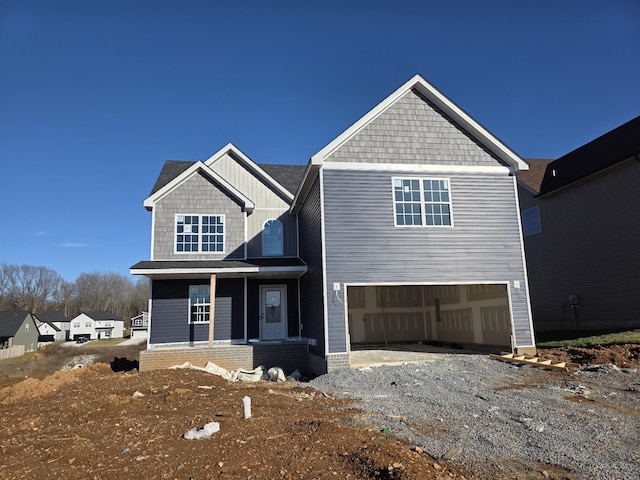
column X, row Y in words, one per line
column 87, row 324
column 422, row 201
column 137, row 322
column 199, row 303
column 200, row 233
column 76, row 324
column 26, row 327
column 272, row 238
column 531, row 221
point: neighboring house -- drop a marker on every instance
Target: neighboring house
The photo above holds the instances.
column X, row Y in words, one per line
column 581, row 221
column 403, row 228
column 49, row 333
column 140, row 326
column 57, row 320
column 97, row 326
column 18, row 327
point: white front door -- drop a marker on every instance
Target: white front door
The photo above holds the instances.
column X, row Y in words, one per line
column 273, row 312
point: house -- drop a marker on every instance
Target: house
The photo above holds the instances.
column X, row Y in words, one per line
column 140, row 326
column 97, row 326
column 49, row 333
column 581, row 230
column 18, row 328
column 57, row 320
column 403, row 228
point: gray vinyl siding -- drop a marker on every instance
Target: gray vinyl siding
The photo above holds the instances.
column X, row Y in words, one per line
column 413, row 131
column 311, row 283
column 588, row 247
column 170, row 312
column 289, row 232
column 197, row 195
column 363, row 246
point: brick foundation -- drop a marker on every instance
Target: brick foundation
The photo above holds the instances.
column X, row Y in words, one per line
column 287, row 355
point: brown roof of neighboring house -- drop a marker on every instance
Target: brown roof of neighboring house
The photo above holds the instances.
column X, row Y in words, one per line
column 532, row 178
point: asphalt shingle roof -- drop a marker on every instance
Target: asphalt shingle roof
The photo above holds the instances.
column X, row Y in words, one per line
column 605, row 151
column 532, row 178
column 10, row 322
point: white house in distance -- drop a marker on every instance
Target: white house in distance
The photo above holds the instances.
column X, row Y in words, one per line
column 97, row 326
column 55, row 320
column 140, row 326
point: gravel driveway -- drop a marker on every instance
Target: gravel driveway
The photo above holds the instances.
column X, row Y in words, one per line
column 496, row 418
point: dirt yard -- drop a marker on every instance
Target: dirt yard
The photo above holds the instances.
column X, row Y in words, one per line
column 92, row 422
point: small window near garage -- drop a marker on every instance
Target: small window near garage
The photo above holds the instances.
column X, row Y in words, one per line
column 199, row 303
column 531, row 221
column 272, row 238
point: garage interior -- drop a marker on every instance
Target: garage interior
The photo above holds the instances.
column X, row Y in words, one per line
column 399, row 317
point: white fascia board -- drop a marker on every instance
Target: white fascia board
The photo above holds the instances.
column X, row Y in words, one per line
column 310, row 174
column 208, row 271
column 429, row 91
column 199, row 166
column 418, row 168
column 250, row 164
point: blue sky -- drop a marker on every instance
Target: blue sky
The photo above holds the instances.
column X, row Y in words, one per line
column 95, row 96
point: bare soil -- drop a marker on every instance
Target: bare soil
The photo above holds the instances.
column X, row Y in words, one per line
column 93, row 422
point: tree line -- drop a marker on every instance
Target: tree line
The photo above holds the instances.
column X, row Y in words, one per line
column 37, row 289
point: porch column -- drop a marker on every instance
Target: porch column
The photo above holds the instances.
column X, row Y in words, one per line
column 212, row 308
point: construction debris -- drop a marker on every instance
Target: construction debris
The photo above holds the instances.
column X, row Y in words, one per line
column 535, row 361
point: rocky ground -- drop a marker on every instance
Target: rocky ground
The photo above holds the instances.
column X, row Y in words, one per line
column 92, row 422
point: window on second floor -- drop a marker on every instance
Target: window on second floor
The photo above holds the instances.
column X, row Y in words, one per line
column 272, row 244
column 87, row 324
column 76, row 324
column 199, row 303
column 531, row 221
column 200, row 233
column 422, row 202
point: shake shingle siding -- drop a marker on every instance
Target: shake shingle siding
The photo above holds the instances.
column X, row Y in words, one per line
column 363, row 245
column 311, row 283
column 412, row 130
column 197, row 195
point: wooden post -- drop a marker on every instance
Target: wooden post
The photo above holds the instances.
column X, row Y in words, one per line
column 212, row 308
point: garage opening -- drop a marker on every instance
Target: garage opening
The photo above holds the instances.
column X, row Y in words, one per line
column 463, row 315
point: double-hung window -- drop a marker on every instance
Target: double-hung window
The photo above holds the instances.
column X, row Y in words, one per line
column 199, row 303
column 200, row 233
column 422, row 202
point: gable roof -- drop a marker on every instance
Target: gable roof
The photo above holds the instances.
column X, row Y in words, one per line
column 11, row 321
column 102, row 315
column 52, row 316
column 424, row 88
column 532, row 178
column 234, row 152
column 194, row 168
column 618, row 145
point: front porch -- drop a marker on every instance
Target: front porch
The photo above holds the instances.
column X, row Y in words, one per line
column 286, row 354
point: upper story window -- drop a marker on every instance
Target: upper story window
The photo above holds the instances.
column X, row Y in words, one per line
column 422, row 202
column 531, row 221
column 199, row 303
column 200, row 233
column 272, row 238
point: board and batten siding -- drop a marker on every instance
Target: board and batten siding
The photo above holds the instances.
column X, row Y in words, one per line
column 588, row 247
column 363, row 246
column 268, row 201
column 311, row 283
column 197, row 195
column 413, row 130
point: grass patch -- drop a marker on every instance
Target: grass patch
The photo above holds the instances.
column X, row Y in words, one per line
column 587, row 338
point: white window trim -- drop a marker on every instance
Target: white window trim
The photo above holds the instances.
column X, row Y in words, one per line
column 422, row 202
column 281, row 252
column 200, row 215
column 203, row 304
column 524, row 232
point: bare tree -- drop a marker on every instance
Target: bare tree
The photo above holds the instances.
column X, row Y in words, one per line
column 27, row 287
